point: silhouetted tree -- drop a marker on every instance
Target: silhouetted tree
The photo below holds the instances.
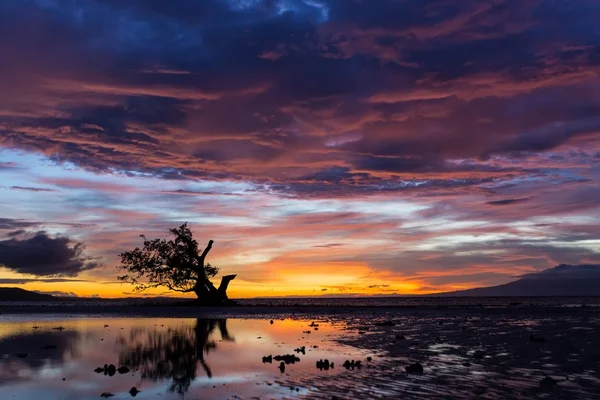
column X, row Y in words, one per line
column 175, row 264
column 173, row 353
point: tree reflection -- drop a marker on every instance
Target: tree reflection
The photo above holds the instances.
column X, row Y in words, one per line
column 172, row 353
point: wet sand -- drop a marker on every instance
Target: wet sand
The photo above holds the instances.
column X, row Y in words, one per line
column 488, row 353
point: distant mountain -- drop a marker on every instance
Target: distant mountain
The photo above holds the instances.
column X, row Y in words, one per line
column 562, row 280
column 17, row 294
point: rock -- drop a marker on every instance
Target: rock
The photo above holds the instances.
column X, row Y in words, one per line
column 58, row 328
column 466, row 364
column 123, row 370
column 537, row 338
column 301, row 350
column 415, row 368
column 21, row 355
column 106, row 395
column 352, row 364
column 313, row 325
column 106, row 326
column 110, row 370
column 548, row 382
column 267, row 359
column 133, row 391
column 369, row 359
column 99, row 370
column 282, row 367
column 287, row 358
column 400, row 337
column 308, row 332
column 271, row 322
column 324, row 365
column 479, row 355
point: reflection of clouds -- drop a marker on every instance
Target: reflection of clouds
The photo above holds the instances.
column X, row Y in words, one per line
column 172, row 353
column 13, row 368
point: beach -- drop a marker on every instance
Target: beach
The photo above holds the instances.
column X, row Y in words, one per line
column 514, row 352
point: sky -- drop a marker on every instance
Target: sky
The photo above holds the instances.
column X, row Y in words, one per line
column 328, row 147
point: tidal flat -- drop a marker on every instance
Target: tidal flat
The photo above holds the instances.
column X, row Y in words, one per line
column 319, row 353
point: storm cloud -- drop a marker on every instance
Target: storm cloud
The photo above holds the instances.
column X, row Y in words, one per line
column 43, row 255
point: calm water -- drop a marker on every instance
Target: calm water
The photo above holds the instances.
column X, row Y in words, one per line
column 53, row 358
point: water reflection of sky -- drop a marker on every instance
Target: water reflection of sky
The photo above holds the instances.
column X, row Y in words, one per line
column 167, row 357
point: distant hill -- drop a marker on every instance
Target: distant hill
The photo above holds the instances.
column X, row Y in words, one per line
column 17, row 294
column 562, row 280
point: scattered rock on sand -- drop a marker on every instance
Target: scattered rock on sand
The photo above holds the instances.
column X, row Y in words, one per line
column 123, row 370
column 267, row 359
column 415, row 368
column 301, row 350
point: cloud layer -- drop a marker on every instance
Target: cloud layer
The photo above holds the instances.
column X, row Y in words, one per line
column 438, row 142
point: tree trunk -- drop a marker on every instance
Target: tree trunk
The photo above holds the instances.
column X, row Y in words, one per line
column 205, row 290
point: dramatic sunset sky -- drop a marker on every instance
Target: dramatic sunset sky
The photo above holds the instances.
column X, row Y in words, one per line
column 327, row 146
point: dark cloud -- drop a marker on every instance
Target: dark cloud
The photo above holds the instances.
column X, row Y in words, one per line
column 43, row 255
column 9, row 223
column 22, row 281
column 58, row 293
column 271, row 91
column 32, row 189
column 507, row 202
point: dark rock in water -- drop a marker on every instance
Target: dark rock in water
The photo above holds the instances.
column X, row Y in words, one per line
column 123, row 370
column 415, row 368
column 49, row 347
column 385, row 323
column 537, row 338
column 110, row 370
column 301, row 350
column 313, row 325
column 58, row 328
column 400, row 337
column 352, row 364
column 282, row 367
column 306, row 332
column 106, row 326
column 267, row 359
column 479, row 355
column 324, row 365
column 106, row 395
column 466, row 364
column 21, row 355
column 369, row 359
column 361, row 332
column 548, row 382
column 271, row 322
column 287, row 358
column 99, row 370
column 133, row 391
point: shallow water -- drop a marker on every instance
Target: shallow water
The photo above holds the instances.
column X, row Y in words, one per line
column 54, row 358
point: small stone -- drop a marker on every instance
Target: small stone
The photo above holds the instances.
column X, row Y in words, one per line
column 282, row 367
column 548, row 382
column 123, row 370
column 271, row 322
column 133, row 391
column 415, row 368
column 106, row 395
column 99, row 370
column 111, row 370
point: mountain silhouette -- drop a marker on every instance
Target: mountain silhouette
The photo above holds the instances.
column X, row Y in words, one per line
column 18, row 294
column 562, row 280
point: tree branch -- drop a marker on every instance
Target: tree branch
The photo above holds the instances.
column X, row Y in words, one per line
column 206, row 250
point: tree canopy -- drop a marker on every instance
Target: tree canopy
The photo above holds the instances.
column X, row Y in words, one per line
column 175, row 264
